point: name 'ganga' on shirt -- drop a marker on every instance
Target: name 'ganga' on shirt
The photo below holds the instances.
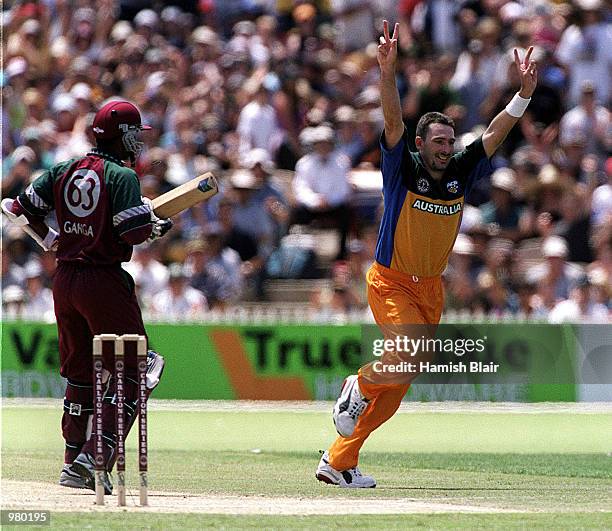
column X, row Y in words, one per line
column 434, row 208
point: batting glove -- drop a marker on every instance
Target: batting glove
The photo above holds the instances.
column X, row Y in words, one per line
column 160, row 227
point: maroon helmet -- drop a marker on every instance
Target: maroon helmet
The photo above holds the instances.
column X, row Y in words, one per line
column 120, row 119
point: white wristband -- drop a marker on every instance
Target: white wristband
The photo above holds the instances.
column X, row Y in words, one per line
column 517, row 106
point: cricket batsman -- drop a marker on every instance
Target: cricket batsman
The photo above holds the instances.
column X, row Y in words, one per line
column 101, row 216
column 423, row 193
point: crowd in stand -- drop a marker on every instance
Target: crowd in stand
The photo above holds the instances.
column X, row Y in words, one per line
column 280, row 99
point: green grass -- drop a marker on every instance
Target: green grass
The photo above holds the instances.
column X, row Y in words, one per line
column 381, row 521
column 556, row 463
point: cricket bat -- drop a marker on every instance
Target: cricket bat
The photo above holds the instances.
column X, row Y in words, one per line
column 185, row 196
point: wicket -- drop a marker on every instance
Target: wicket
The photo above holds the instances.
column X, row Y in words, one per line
column 119, row 375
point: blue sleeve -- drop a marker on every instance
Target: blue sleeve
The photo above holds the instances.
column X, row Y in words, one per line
column 483, row 169
column 391, row 160
column 474, row 163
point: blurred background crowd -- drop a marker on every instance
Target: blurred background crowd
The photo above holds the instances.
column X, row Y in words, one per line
column 280, row 99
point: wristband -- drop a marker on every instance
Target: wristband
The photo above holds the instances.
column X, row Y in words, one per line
column 517, row 106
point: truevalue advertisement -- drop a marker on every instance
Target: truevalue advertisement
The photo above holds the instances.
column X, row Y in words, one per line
column 498, row 362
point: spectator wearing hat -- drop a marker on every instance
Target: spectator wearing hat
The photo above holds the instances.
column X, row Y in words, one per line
column 601, row 201
column 321, row 189
column 259, row 162
column 461, row 274
column 543, row 208
column 88, row 32
column 13, row 302
column 494, row 297
column 15, row 82
column 18, row 171
column 234, row 238
column 36, row 107
column 39, row 299
column 349, row 141
column 215, row 268
column 72, row 139
column 588, row 120
column 258, row 122
column 30, row 43
column 174, row 27
column 555, row 271
column 249, row 215
column 146, row 23
column 149, row 274
column 178, row 301
column 502, row 210
column 580, row 306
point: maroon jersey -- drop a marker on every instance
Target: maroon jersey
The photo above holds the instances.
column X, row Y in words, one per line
column 97, row 203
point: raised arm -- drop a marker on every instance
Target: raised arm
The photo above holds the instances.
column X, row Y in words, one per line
column 389, row 95
column 502, row 124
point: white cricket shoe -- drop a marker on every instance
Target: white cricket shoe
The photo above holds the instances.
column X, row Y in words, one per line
column 347, row 479
column 348, row 407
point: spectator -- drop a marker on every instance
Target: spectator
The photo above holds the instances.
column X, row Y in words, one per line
column 38, row 298
column 222, row 82
column 13, row 302
column 215, row 268
column 555, row 272
column 589, row 121
column 178, row 301
column 574, row 224
column 149, row 274
column 502, row 210
column 354, row 23
column 12, row 273
column 249, row 215
column 601, row 202
column 585, row 49
column 258, row 123
column 349, row 140
column 579, row 307
column 321, row 188
column 525, row 292
column 471, row 84
column 19, row 172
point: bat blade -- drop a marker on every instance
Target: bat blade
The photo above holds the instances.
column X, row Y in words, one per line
column 185, row 196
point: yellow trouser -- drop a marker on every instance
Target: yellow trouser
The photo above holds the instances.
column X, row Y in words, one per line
column 397, row 301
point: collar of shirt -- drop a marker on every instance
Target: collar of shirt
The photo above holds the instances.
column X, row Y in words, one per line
column 107, row 156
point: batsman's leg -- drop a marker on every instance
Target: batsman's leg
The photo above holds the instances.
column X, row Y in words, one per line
column 84, row 464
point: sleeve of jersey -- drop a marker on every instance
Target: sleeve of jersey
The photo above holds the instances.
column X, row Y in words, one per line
column 391, row 159
column 131, row 218
column 37, row 199
column 473, row 163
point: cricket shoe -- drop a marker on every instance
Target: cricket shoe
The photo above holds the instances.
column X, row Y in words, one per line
column 347, row 479
column 84, row 466
column 69, row 478
column 155, row 368
column 348, row 407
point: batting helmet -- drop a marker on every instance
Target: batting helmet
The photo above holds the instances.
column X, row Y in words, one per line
column 119, row 119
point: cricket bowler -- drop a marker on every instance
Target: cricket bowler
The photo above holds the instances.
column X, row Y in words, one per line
column 101, row 216
column 423, row 193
